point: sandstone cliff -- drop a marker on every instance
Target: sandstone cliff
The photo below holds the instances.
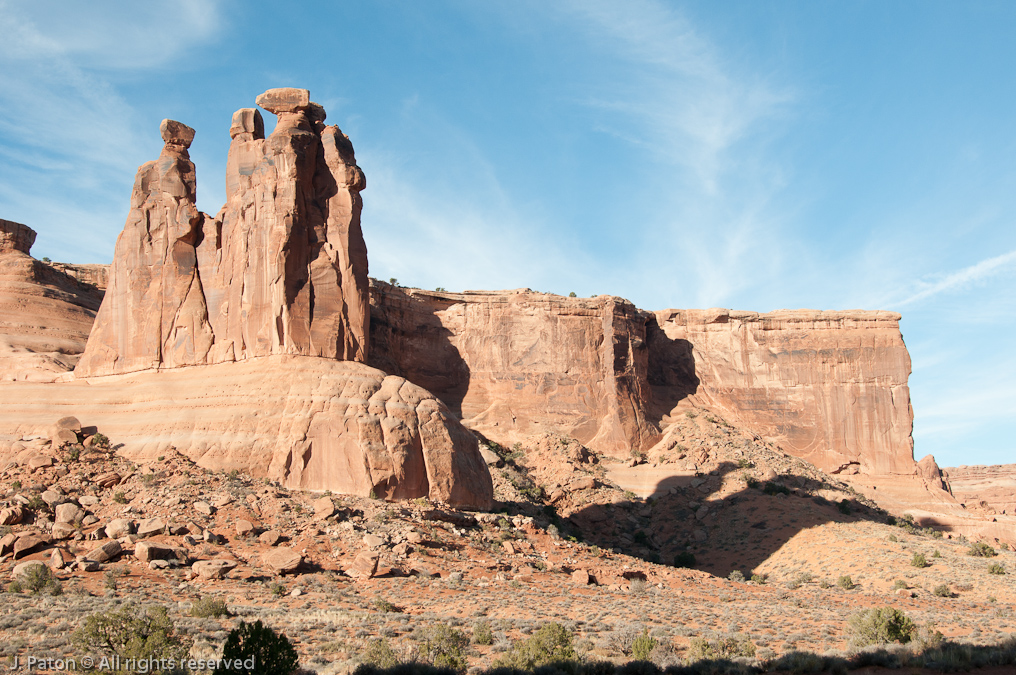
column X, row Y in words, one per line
column 282, row 269
column 514, row 364
column 45, row 315
column 829, row 387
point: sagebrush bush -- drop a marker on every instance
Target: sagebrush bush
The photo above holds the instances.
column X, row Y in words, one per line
column 943, row 591
column 379, row 654
column 919, row 560
column 206, row 607
column 482, row 633
column 733, row 646
column 880, row 626
column 132, row 633
column 981, row 550
column 845, row 582
column 996, row 568
column 550, row 643
column 442, row 646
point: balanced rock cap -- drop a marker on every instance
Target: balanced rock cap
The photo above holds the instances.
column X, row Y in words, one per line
column 284, row 100
column 247, row 121
column 176, row 133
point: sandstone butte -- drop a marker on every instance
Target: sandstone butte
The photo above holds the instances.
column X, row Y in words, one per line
column 270, row 299
column 240, row 338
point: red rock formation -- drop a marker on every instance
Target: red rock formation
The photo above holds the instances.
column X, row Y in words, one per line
column 45, row 315
column 307, row 422
column 518, row 363
column 990, row 489
column 829, row 387
column 15, row 237
column 281, row 270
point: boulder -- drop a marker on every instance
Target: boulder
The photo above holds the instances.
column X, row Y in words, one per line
column 40, row 462
column 147, row 551
column 373, row 541
column 105, row 553
column 12, row 515
column 68, row 513
column 282, row 560
column 324, row 508
column 364, row 565
column 118, row 528
column 108, row 480
column 204, row 508
column 244, row 527
column 213, row 569
column 151, row 527
column 26, row 543
column 63, row 530
column 270, row 538
column 581, row 577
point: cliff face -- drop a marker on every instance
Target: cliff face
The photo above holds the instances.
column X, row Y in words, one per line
column 45, row 315
column 987, row 489
column 829, row 387
column 518, row 363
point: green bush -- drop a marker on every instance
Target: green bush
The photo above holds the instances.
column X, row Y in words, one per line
column 981, row 550
column 132, row 633
column 272, row 652
column 728, row 647
column 206, row 607
column 684, row 559
column 736, row 575
column 845, row 582
column 643, row 645
column 380, row 654
column 943, row 591
column 442, row 646
column 900, row 584
column 119, row 498
column 880, row 626
column 100, row 441
column 936, row 554
column 482, row 634
column 996, row 568
column 759, row 579
column 549, row 644
column 775, row 489
column 36, row 579
column 919, row 560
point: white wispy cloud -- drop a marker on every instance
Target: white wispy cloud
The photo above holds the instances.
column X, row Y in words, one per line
column 70, row 140
column 703, row 123
column 961, row 279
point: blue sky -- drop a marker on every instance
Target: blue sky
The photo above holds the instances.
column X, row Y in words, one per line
column 739, row 154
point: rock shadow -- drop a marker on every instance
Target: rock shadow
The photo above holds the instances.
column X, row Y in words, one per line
column 724, row 531
column 432, row 362
column 671, row 371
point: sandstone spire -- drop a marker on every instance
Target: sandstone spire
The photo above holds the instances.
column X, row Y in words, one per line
column 282, row 269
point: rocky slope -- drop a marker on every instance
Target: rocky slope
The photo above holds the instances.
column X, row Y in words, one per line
column 45, row 314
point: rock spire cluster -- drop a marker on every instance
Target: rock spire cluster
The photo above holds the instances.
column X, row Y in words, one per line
column 281, row 269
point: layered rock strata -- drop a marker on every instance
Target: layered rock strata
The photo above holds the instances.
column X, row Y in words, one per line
column 45, row 315
column 518, row 363
column 829, row 387
column 989, row 489
column 308, row 423
column 282, row 269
